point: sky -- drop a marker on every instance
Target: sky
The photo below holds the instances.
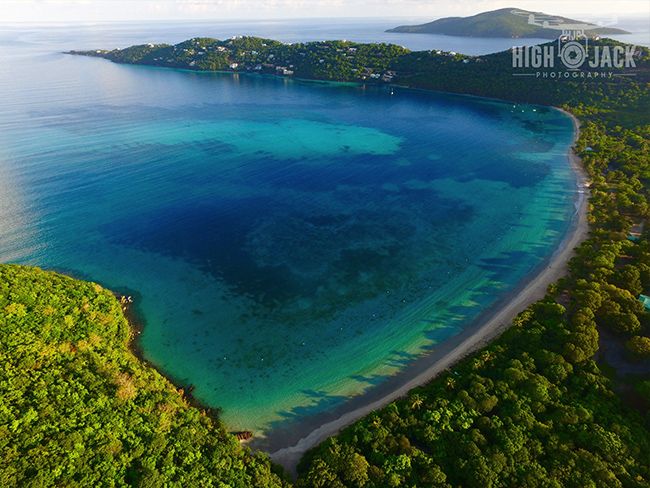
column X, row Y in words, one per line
column 139, row 10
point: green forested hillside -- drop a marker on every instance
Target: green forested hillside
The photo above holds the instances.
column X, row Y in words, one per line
column 500, row 23
column 77, row 409
column 491, row 75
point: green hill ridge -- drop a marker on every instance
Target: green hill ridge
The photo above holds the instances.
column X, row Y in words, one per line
column 505, row 22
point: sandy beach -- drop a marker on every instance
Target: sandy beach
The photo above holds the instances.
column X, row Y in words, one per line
column 490, row 325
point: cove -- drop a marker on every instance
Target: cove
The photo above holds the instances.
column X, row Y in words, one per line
column 290, row 244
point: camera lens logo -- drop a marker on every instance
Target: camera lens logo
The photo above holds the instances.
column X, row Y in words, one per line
column 573, row 55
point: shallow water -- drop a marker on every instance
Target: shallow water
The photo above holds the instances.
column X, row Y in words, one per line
column 289, row 244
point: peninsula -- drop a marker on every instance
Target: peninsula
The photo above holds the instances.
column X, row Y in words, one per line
column 491, row 76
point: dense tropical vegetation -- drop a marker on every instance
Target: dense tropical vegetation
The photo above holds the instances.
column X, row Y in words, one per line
column 538, row 407
column 77, row 409
column 331, row 60
column 386, row 63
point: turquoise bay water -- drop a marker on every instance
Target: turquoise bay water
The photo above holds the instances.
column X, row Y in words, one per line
column 290, row 244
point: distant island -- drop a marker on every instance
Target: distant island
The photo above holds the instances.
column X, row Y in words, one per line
column 505, row 22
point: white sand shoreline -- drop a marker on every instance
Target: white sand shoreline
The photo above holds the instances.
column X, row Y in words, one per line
column 491, row 327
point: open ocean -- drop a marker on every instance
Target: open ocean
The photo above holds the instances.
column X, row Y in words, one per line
column 289, row 244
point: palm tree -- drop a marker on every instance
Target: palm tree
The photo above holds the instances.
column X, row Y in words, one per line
column 416, row 401
column 450, row 383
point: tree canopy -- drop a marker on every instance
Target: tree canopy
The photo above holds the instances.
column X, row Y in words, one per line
column 78, row 409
